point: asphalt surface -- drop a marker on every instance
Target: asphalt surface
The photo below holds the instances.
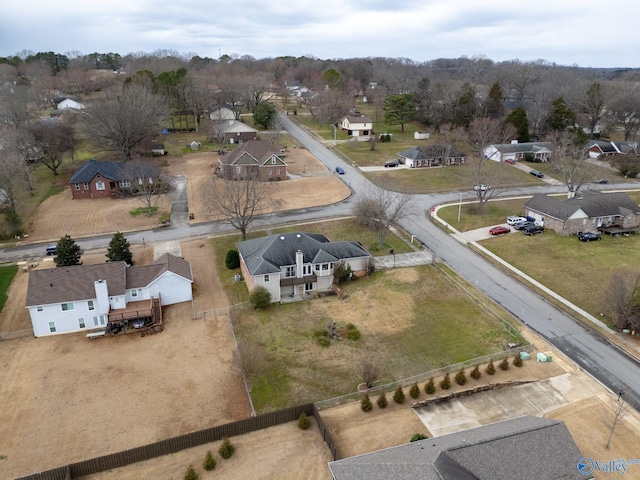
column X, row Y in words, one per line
column 605, row 361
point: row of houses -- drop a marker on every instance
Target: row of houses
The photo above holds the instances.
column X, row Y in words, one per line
column 542, row 151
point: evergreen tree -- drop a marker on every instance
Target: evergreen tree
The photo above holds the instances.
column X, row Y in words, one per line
column 398, row 395
column 517, row 360
column 399, row 109
column 561, row 116
column 303, row 421
column 518, row 118
column 445, row 383
column 414, row 391
column 430, row 387
column 382, row 400
column 461, row 377
column 119, row 249
column 265, row 115
column 491, row 369
column 504, row 364
column 494, row 107
column 226, row 450
column 475, row 373
column 365, row 403
column 209, row 462
column 191, row 474
column 68, row 252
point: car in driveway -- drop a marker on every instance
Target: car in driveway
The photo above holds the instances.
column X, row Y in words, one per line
column 340, row 170
column 510, row 161
column 588, row 236
column 537, row 173
column 521, row 224
column 601, row 181
column 499, row 230
column 390, row 164
column 482, row 187
column 533, row 229
column 512, row 220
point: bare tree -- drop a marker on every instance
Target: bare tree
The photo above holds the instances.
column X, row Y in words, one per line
column 624, row 108
column 16, row 106
column 12, row 176
column 623, row 298
column 618, row 409
column 54, row 138
column 144, row 182
column 370, row 373
column 123, row 122
column 240, row 201
column 570, row 160
column 379, row 208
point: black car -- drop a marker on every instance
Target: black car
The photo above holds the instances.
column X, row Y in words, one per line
column 390, row 164
column 536, row 173
column 533, row 229
column 601, row 181
column 521, row 225
column 588, row 236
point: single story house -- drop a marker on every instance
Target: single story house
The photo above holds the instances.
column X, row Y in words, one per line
column 356, row 125
column 602, row 149
column 257, row 159
column 589, row 211
column 70, row 103
column 431, row 156
column 522, row 448
column 219, row 113
column 235, row 131
column 501, row 152
column 291, row 265
column 84, row 297
column 96, row 179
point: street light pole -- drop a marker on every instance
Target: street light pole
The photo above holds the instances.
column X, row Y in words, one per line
column 459, row 207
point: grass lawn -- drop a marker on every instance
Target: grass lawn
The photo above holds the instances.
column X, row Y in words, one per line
column 411, row 321
column 494, row 213
column 6, row 277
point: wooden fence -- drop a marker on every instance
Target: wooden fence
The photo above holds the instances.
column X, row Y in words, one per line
column 17, row 334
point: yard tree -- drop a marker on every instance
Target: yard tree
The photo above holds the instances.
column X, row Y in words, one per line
column 144, row 183
column 592, row 106
column 68, row 252
column 54, row 139
column 570, row 159
column 422, row 100
column 238, row 202
column 518, row 118
column 624, row 298
column 560, row 116
column 494, row 104
column 119, row 249
column 123, row 122
column 265, row 115
column 399, row 109
column 379, row 208
column 623, row 108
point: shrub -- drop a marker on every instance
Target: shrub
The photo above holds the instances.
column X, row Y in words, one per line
column 341, row 273
column 517, row 360
column 365, row 403
column 418, row 436
column 445, row 383
column 322, row 337
column 398, row 395
column 490, row 368
column 232, row 260
column 504, row 364
column 414, row 391
column 260, row 297
column 430, row 387
column 382, row 400
column 209, row 462
column 191, row 474
column 303, row 421
column 475, row 373
column 352, row 332
column 226, row 450
column 461, row 377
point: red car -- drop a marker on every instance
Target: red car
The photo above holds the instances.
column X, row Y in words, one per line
column 499, row 230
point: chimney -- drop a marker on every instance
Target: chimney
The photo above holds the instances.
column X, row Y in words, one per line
column 299, row 262
column 102, row 297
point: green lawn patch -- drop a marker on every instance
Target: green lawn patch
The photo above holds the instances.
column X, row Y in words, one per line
column 6, row 277
column 142, row 211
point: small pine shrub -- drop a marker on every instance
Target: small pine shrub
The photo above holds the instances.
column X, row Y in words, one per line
column 191, row 474
column 517, row 360
column 504, row 364
column 226, row 450
column 398, row 395
column 475, row 373
column 365, row 403
column 430, row 387
column 414, row 391
column 461, row 377
column 382, row 400
column 303, row 421
column 491, row 369
column 232, row 260
column 445, row 383
column 209, row 462
column 352, row 332
column 418, row 436
column 260, row 297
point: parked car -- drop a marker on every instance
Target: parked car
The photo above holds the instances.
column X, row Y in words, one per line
column 340, row 170
column 588, row 236
column 510, row 161
column 390, row 164
column 52, row 249
column 533, row 229
column 515, row 219
column 499, row 230
column 521, row 224
column 482, row 187
column 601, row 181
column 536, row 173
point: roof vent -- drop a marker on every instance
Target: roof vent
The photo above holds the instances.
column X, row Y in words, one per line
column 282, row 237
column 298, row 235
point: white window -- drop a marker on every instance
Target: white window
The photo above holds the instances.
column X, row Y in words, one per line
column 325, row 266
column 306, row 269
column 99, row 185
column 265, row 279
column 98, row 320
column 81, row 322
column 52, row 327
column 270, row 171
column 239, row 170
column 77, row 186
column 277, row 170
column 273, row 161
column 290, row 271
column 125, row 183
column 317, row 268
column 40, row 308
column 86, row 186
column 308, row 287
column 134, row 293
column 67, row 306
column 90, row 305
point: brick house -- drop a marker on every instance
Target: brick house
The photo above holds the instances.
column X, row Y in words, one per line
column 257, row 159
column 97, row 179
column 431, row 156
column 356, row 126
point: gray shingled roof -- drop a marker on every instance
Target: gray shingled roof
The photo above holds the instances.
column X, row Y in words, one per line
column 592, row 202
column 358, row 119
column 109, row 170
column 259, row 150
column 68, row 284
column 524, row 147
column 427, row 152
column 518, row 449
column 268, row 254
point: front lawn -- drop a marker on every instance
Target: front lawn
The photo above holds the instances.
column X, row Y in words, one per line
column 6, row 277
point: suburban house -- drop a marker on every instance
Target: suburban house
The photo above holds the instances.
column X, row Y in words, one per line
column 105, row 296
column 97, row 179
column 234, row 131
column 291, row 265
column 517, row 449
column 295, row 88
column 589, row 211
column 356, row 125
column 256, row 159
column 220, row 113
column 503, row 152
column 70, row 103
column 431, row 156
column 602, row 149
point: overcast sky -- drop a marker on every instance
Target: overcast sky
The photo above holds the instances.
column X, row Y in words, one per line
column 587, row 33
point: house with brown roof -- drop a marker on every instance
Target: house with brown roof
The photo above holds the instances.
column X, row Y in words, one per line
column 356, row 125
column 590, row 211
column 431, row 156
column 256, row 159
column 85, row 297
